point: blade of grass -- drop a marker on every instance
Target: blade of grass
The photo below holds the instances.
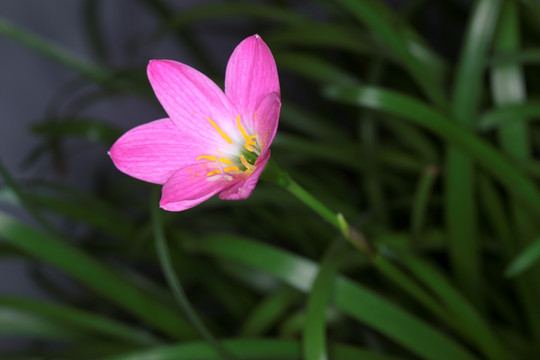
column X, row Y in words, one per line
column 508, row 87
column 27, row 201
column 72, row 319
column 162, row 249
column 368, row 134
column 16, row 323
column 93, row 274
column 498, row 216
column 321, row 35
column 86, row 212
column 525, row 260
column 353, row 299
column 221, row 10
column 460, row 205
column 87, row 128
column 313, row 68
column 269, row 312
column 504, row 115
column 525, row 56
column 472, row 325
column 420, row 204
column 438, row 123
column 382, row 24
column 309, row 123
column 314, row 343
column 93, row 31
column 271, row 349
column 53, row 51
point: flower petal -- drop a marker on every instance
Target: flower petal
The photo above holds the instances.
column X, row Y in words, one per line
column 154, row 151
column 243, row 189
column 251, row 75
column 189, row 187
column 266, row 120
column 191, row 99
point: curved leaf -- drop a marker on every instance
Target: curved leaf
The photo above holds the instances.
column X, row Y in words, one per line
column 94, row 275
column 353, row 299
column 425, row 116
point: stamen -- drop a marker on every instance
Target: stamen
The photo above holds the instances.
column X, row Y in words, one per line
column 244, row 133
column 249, row 143
column 214, row 172
column 213, row 158
column 221, row 132
column 249, row 139
column 223, row 171
column 248, row 166
column 218, row 177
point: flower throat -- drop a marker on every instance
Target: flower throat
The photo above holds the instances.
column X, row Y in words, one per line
column 242, row 164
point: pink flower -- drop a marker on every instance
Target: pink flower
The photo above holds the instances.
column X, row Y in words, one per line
column 213, row 141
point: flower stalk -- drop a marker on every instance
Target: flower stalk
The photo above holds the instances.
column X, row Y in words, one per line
column 163, row 253
column 274, row 174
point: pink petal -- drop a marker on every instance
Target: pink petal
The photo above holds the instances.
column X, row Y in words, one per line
column 189, row 187
column 154, row 151
column 266, row 120
column 251, row 75
column 243, row 189
column 190, row 99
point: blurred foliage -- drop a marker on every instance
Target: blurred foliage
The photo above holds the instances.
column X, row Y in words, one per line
column 414, row 119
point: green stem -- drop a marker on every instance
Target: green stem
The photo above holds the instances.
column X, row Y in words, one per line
column 379, row 260
column 279, row 177
column 163, row 252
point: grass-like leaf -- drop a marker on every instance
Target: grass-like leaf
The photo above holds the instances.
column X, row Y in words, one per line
column 93, row 274
column 351, row 298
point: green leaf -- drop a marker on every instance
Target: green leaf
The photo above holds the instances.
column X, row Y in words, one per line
column 313, row 68
column 508, row 114
column 70, row 320
column 397, row 39
column 87, row 128
column 269, row 311
column 430, row 119
column 53, row 51
column 353, row 299
column 309, row 123
column 525, row 260
column 162, row 249
column 207, row 12
column 96, row 276
column 508, row 87
column 260, row 349
column 525, row 56
column 74, row 204
column 470, row 323
column 420, row 203
column 314, row 332
column 16, row 323
column 461, row 212
column 323, row 35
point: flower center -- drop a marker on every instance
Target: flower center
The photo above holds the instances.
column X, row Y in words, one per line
column 226, row 166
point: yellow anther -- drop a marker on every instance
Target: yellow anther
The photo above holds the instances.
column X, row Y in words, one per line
column 213, row 172
column 244, row 133
column 231, row 168
column 213, row 158
column 221, row 132
column 250, row 142
column 248, row 166
column 249, row 138
column 219, row 171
